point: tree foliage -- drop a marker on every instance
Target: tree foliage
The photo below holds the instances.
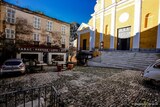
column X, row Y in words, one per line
column 56, row 38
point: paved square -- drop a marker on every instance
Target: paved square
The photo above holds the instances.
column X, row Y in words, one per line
column 92, row 87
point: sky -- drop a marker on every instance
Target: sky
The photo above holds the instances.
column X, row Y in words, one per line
column 66, row 10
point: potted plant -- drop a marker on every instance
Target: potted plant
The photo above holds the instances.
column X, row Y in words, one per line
column 71, row 58
column 70, row 65
column 59, row 67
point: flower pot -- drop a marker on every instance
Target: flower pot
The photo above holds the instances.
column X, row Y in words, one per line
column 59, row 67
column 70, row 66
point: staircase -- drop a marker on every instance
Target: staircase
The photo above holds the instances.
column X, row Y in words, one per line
column 124, row 59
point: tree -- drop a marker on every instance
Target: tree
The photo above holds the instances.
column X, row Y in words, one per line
column 73, row 36
column 10, row 46
column 56, row 39
column 23, row 29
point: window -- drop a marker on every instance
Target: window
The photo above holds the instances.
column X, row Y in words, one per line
column 48, row 39
column 148, row 20
column 63, row 40
column 49, row 26
column 10, row 15
column 37, row 22
column 63, row 30
column 36, row 37
column 10, row 34
column 157, row 66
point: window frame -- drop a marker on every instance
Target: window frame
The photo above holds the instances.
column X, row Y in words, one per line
column 10, row 16
column 48, row 39
column 37, row 22
column 63, row 29
column 49, row 25
column 36, row 37
column 10, row 34
column 157, row 67
column 63, row 39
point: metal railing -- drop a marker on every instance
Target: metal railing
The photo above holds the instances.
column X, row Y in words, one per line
column 43, row 96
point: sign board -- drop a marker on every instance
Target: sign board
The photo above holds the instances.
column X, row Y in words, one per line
column 124, row 32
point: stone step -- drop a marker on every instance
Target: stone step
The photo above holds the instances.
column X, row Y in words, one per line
column 124, row 59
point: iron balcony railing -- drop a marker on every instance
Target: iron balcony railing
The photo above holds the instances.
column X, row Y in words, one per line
column 43, row 96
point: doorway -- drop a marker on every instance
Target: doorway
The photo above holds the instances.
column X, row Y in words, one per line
column 45, row 57
column 84, row 44
column 123, row 42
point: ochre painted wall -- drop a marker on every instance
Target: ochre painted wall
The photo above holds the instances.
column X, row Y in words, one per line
column 90, row 23
column 87, row 37
column 107, row 3
column 129, row 9
column 118, row 0
column 107, row 28
column 149, row 23
column 97, row 39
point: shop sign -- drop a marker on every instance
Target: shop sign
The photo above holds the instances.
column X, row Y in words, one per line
column 38, row 50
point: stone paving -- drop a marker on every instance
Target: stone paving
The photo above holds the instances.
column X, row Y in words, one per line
column 92, row 87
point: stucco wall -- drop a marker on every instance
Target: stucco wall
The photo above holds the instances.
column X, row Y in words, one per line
column 29, row 16
column 121, row 13
column 85, row 36
column 148, row 36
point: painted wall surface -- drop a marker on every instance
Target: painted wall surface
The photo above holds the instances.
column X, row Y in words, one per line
column 124, row 18
column 2, row 17
column 90, row 23
column 107, row 29
column 1, row 9
column 97, row 38
column 149, row 22
column 29, row 16
column 125, row 14
column 118, row 0
column 87, row 37
column 107, row 3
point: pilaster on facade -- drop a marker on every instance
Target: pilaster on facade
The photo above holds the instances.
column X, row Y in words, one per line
column 113, row 22
column 94, row 29
column 79, row 40
column 137, row 24
column 92, row 40
column 158, row 34
column 102, row 21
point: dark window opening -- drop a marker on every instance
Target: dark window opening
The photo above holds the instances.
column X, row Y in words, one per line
column 63, row 45
column 36, row 43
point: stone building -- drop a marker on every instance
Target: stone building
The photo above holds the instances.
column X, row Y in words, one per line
column 28, row 34
column 122, row 25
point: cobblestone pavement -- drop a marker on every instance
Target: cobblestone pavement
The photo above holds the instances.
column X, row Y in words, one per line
column 92, row 87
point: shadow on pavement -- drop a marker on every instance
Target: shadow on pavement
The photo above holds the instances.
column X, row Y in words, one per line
column 150, row 85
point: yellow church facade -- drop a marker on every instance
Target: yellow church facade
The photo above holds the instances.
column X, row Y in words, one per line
column 122, row 25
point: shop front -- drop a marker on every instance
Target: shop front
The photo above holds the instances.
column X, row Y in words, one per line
column 40, row 54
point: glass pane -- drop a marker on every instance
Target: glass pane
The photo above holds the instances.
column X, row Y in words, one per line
column 8, row 31
column 37, row 37
column 8, row 15
column 7, row 36
column 12, row 63
column 8, row 19
column 13, row 20
column 34, row 36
